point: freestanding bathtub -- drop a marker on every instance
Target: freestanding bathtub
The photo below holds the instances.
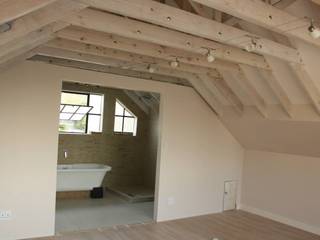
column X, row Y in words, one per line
column 80, row 177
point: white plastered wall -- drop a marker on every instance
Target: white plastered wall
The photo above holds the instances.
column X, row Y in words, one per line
column 197, row 153
column 282, row 187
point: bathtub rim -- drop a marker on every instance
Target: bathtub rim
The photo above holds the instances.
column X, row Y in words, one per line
column 95, row 167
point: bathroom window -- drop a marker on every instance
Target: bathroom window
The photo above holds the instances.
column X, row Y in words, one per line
column 81, row 113
column 125, row 122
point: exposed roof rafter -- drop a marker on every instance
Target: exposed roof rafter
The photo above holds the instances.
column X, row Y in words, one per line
column 13, row 9
column 180, row 20
column 140, row 47
column 265, row 15
column 49, row 14
column 93, row 19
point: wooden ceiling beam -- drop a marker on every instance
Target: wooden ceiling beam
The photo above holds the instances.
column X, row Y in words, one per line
column 121, row 26
column 122, row 55
column 137, row 100
column 185, row 5
column 69, row 55
column 13, row 9
column 316, row 1
column 23, row 45
column 250, row 89
column 272, row 18
column 148, row 102
column 218, row 15
column 226, row 91
column 125, row 63
column 183, row 21
column 198, row 84
column 99, row 64
column 41, row 35
column 265, row 15
column 141, row 47
column 200, row 9
column 40, row 18
column 279, row 91
column 308, row 85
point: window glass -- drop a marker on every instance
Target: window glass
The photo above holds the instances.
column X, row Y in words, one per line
column 73, row 126
column 128, row 125
column 65, row 116
column 118, row 124
column 94, row 123
column 124, row 121
column 74, row 98
column 77, row 117
column 126, row 113
column 119, row 109
column 70, row 109
column 84, row 110
column 96, row 101
column 76, row 108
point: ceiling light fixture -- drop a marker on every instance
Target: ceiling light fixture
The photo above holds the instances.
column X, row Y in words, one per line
column 151, row 69
column 210, row 56
column 313, row 30
column 174, row 64
column 251, row 46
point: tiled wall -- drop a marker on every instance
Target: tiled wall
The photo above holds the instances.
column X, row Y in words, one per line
column 130, row 157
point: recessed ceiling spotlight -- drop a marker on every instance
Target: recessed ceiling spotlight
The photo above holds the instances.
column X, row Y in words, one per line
column 313, row 30
column 174, row 64
column 151, row 69
column 210, row 56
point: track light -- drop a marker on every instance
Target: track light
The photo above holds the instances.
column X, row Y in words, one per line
column 174, row 64
column 313, row 30
column 251, row 46
column 151, row 69
column 210, row 56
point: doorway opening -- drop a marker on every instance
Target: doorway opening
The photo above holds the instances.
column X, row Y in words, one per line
column 107, row 157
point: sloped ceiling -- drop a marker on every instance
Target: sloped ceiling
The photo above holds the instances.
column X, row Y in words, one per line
column 293, row 137
column 247, row 85
column 302, row 138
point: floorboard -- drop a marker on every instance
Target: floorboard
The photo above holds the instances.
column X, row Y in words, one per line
column 229, row 225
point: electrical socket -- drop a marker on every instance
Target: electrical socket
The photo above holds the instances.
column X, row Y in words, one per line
column 5, row 214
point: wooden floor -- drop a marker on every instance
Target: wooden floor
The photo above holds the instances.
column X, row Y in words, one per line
column 231, row 225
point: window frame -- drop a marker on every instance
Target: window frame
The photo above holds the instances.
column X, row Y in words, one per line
column 123, row 116
column 87, row 114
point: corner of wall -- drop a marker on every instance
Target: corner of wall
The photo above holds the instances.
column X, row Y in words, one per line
column 281, row 219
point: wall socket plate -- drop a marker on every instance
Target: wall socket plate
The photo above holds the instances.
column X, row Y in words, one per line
column 5, row 214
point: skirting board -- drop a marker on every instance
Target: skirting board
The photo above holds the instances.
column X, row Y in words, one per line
column 281, row 219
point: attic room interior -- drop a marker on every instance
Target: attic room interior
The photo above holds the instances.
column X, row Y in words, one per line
column 160, row 119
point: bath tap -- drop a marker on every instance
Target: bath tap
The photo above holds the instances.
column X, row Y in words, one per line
column 65, row 152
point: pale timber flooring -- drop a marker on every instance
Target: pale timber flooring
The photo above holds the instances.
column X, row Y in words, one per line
column 231, row 225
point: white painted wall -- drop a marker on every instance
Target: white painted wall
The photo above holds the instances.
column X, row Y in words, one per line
column 198, row 154
column 283, row 187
